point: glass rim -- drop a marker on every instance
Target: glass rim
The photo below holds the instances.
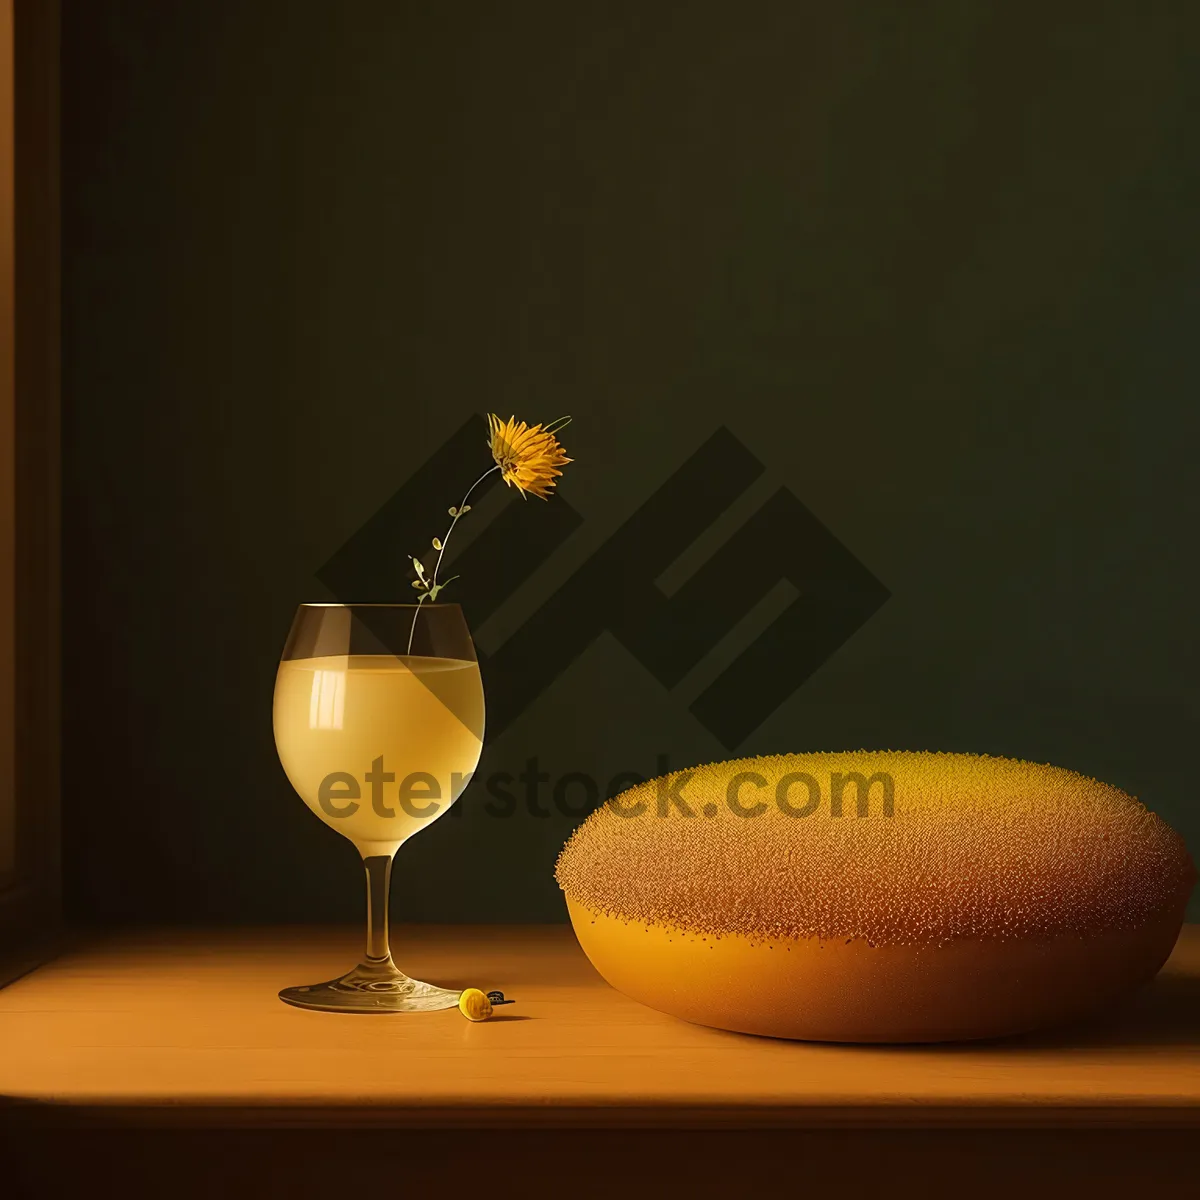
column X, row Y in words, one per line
column 376, row 604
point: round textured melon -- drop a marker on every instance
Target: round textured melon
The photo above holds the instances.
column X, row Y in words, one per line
column 876, row 897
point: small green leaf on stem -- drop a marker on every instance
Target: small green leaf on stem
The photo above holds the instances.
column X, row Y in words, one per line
column 437, row 587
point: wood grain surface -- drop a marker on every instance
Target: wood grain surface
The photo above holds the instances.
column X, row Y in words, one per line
column 186, row 1028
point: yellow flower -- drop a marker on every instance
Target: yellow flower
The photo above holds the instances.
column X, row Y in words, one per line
column 527, row 457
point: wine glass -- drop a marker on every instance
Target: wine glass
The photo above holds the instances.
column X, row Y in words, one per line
column 378, row 723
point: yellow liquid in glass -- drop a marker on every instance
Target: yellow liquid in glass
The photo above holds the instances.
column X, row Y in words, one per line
column 336, row 717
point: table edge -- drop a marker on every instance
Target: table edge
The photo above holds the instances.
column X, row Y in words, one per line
column 216, row 1113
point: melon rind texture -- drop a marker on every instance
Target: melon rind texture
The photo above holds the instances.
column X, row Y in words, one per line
column 945, row 896
column 975, row 847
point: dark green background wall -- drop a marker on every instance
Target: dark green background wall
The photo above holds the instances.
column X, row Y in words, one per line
column 937, row 266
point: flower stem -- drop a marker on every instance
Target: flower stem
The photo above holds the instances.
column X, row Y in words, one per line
column 458, row 512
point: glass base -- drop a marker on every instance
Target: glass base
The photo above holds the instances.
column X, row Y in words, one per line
column 372, row 988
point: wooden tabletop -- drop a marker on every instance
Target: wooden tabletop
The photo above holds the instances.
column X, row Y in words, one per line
column 185, row 1026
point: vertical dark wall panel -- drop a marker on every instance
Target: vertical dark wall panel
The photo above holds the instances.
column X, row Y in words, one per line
column 30, row 891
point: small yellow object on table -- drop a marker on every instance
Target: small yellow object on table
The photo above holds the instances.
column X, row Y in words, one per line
column 474, row 1005
column 477, row 1006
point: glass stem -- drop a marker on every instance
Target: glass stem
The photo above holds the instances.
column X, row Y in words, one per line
column 379, row 879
